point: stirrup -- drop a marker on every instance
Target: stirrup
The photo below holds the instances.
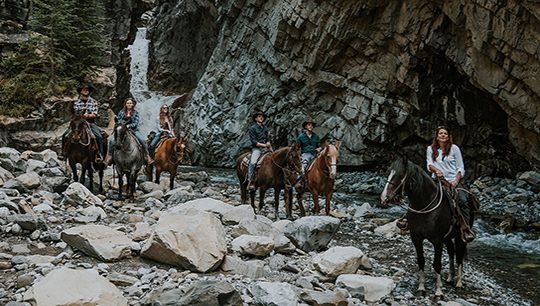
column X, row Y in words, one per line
column 402, row 224
column 467, row 235
column 99, row 158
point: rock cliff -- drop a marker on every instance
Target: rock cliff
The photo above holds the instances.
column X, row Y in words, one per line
column 379, row 75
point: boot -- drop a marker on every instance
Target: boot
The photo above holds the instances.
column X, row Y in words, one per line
column 98, row 158
column 402, row 224
column 467, row 234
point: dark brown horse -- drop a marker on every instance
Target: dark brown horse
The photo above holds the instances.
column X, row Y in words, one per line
column 430, row 216
column 320, row 177
column 81, row 149
column 167, row 157
column 278, row 170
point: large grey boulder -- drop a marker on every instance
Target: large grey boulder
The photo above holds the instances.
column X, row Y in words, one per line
column 204, row 204
column 274, row 294
column 192, row 240
column 253, row 245
column 312, row 233
column 63, row 287
column 30, row 180
column 251, row 268
column 98, row 241
column 262, row 226
column 77, row 194
column 338, row 260
column 201, row 293
column 374, row 288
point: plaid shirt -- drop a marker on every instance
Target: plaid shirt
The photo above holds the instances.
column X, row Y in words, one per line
column 135, row 118
column 82, row 108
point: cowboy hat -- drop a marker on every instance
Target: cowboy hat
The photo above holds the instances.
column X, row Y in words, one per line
column 257, row 114
column 88, row 86
column 308, row 121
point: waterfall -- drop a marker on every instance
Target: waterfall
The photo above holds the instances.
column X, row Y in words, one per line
column 148, row 102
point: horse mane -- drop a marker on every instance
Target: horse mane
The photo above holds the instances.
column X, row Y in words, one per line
column 417, row 175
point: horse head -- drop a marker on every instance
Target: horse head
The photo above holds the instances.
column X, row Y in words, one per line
column 395, row 181
column 294, row 161
column 78, row 127
column 331, row 156
column 120, row 131
column 180, row 148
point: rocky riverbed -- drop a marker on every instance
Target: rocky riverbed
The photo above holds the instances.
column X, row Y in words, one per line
column 196, row 244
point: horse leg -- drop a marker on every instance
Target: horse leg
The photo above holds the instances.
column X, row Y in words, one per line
column 437, row 267
column 252, row 199
column 420, row 260
column 173, row 175
column 73, row 166
column 277, row 191
column 100, row 173
column 120, row 183
column 288, row 202
column 450, row 249
column 83, row 175
column 327, row 202
column 243, row 192
column 299, row 197
column 91, row 177
column 149, row 169
column 316, row 208
column 133, row 178
column 158, row 175
column 262, row 192
column 461, row 248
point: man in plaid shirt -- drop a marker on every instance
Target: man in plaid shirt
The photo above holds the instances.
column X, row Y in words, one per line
column 87, row 108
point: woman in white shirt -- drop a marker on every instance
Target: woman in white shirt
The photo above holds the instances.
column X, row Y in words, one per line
column 444, row 160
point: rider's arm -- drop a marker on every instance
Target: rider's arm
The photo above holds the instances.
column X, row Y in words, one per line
column 91, row 109
column 429, row 163
column 134, row 121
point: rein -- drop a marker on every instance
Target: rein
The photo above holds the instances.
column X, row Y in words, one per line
column 284, row 168
column 427, row 208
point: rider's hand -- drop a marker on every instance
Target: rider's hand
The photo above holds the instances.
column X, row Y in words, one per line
column 438, row 173
column 268, row 145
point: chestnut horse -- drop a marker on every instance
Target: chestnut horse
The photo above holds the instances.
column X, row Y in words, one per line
column 320, row 177
column 430, row 216
column 81, row 149
column 278, row 170
column 167, row 157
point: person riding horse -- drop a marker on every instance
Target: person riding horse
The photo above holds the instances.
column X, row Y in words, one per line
column 87, row 108
column 164, row 126
column 444, row 161
column 129, row 114
column 309, row 143
column 258, row 136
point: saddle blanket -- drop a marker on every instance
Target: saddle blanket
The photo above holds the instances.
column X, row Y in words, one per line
column 247, row 158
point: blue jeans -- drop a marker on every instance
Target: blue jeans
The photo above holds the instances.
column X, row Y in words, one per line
column 99, row 138
column 305, row 159
column 139, row 137
column 154, row 142
column 255, row 154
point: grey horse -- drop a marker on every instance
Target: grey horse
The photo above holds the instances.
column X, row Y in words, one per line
column 127, row 156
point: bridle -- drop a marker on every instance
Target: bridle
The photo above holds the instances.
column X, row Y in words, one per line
column 85, row 129
column 427, row 209
column 287, row 169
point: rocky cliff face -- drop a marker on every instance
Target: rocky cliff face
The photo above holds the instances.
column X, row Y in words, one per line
column 379, row 75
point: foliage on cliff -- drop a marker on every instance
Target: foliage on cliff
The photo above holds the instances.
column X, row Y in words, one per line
column 66, row 40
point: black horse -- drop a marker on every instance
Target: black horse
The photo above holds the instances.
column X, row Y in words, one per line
column 80, row 148
column 430, row 216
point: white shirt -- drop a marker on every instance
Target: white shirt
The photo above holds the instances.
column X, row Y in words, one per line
column 450, row 165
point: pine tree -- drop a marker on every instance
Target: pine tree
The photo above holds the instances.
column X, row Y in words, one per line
column 66, row 42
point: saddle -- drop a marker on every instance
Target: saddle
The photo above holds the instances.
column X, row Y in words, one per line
column 247, row 158
column 162, row 138
column 451, row 193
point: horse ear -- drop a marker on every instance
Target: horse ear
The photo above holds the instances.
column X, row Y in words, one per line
column 338, row 143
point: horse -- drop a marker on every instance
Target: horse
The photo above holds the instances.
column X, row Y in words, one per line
column 277, row 170
column 430, row 216
column 320, row 177
column 80, row 149
column 167, row 157
column 127, row 157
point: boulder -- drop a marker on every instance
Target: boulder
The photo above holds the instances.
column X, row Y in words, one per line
column 373, row 288
column 99, row 241
column 312, row 233
column 338, row 260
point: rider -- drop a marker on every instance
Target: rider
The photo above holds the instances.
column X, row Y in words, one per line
column 444, row 160
column 258, row 135
column 309, row 143
column 87, row 108
column 128, row 113
column 164, row 125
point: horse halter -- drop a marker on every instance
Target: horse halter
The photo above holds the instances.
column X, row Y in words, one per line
column 80, row 131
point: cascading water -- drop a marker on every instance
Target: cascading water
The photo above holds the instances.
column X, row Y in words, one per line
column 148, row 102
